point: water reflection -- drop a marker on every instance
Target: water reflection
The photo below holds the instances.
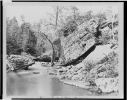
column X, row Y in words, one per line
column 39, row 85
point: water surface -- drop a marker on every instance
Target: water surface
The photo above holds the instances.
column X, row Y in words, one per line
column 40, row 84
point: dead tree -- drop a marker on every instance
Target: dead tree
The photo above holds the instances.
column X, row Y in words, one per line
column 53, row 50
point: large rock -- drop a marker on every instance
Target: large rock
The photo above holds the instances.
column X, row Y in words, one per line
column 9, row 66
column 106, row 67
column 99, row 53
column 107, row 85
column 20, row 61
column 69, row 75
column 77, row 44
column 76, row 77
column 76, row 72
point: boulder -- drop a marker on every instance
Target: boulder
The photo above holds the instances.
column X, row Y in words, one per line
column 58, row 67
column 107, row 85
column 20, row 61
column 75, row 77
column 74, row 47
column 69, row 76
column 102, row 74
column 61, row 70
column 9, row 66
column 106, row 67
column 69, row 67
column 99, row 53
column 78, row 76
column 77, row 49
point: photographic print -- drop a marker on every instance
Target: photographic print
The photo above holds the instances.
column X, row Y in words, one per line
column 63, row 49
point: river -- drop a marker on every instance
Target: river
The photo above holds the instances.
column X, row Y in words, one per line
column 40, row 84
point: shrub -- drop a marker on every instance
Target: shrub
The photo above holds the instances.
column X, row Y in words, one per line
column 68, row 28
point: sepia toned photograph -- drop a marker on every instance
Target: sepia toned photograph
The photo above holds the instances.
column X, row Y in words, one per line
column 63, row 49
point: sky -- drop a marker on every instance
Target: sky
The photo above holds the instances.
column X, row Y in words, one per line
column 33, row 13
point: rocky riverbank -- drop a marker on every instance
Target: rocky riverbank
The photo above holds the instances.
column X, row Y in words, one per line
column 98, row 72
column 16, row 62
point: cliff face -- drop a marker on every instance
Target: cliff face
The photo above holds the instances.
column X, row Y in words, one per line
column 84, row 37
column 100, row 64
column 77, row 43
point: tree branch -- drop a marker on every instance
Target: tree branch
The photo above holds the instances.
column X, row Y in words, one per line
column 53, row 51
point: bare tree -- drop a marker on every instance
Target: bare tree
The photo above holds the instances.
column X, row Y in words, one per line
column 75, row 12
column 56, row 16
column 53, row 50
column 23, row 18
column 46, row 36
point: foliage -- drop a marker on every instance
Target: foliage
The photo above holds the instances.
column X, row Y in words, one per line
column 89, row 65
column 19, row 38
column 105, row 68
column 27, row 37
column 88, row 16
column 31, row 43
column 69, row 27
column 25, row 27
column 12, row 47
column 71, row 24
column 101, row 17
column 12, row 30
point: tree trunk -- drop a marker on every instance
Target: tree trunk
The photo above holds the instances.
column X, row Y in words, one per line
column 53, row 52
column 57, row 12
column 112, row 32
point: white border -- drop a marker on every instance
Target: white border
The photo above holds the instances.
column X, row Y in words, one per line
column 119, row 4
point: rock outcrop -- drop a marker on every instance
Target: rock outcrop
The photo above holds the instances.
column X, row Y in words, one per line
column 102, row 65
column 82, row 39
column 91, row 65
column 15, row 62
column 107, row 85
column 75, row 47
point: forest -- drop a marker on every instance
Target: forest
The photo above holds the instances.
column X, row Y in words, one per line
column 80, row 48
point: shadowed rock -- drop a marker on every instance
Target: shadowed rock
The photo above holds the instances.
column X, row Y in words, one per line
column 45, row 58
column 80, row 58
column 15, row 62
